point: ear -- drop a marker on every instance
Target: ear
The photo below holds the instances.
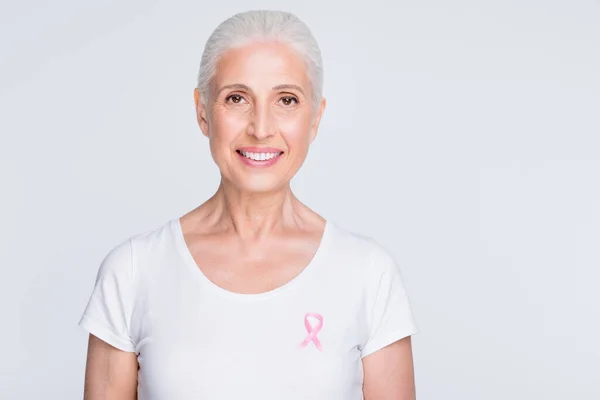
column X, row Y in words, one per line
column 201, row 112
column 317, row 119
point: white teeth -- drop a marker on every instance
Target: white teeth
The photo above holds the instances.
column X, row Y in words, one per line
column 259, row 156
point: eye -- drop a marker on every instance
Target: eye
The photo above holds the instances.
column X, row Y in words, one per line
column 288, row 100
column 234, row 98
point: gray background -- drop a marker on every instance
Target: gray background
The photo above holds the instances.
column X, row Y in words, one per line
column 463, row 135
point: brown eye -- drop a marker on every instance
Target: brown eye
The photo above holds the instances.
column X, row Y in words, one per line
column 288, row 101
column 234, row 98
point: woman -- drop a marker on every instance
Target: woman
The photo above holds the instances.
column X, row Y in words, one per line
column 252, row 295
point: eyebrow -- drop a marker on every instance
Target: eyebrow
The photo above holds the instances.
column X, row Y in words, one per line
column 288, row 86
column 241, row 86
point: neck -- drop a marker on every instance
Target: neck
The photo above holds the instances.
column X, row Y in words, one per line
column 253, row 214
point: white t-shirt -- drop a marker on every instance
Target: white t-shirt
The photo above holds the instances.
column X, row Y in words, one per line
column 196, row 340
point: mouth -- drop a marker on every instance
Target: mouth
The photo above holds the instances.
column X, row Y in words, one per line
column 258, row 157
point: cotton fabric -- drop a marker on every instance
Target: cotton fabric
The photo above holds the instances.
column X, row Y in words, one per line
column 196, row 340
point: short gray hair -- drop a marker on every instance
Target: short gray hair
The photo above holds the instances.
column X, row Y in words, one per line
column 261, row 25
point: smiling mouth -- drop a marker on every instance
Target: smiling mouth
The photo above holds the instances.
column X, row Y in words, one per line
column 259, row 156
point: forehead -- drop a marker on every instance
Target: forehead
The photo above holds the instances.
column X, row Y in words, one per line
column 261, row 65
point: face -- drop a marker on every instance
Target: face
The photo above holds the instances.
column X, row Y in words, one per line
column 260, row 118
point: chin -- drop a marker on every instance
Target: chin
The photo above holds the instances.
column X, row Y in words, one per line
column 261, row 185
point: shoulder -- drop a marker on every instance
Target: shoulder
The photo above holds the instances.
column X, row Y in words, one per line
column 155, row 239
column 367, row 253
column 123, row 258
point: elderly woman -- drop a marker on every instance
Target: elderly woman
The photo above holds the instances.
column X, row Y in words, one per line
column 252, row 295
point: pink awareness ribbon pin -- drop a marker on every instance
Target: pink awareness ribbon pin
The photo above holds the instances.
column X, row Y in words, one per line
column 313, row 330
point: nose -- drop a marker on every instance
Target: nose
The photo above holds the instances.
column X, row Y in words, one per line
column 262, row 122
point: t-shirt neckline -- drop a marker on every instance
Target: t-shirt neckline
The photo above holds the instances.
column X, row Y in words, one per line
column 190, row 263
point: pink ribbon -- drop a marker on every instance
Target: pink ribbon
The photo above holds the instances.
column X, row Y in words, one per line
column 313, row 330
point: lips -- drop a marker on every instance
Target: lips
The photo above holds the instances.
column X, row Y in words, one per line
column 259, row 156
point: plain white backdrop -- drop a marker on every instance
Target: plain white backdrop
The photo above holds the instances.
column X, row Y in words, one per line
column 462, row 135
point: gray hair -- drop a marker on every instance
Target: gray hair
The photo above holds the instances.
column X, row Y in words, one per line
column 261, row 25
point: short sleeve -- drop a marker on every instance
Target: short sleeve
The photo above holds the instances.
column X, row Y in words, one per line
column 388, row 311
column 108, row 311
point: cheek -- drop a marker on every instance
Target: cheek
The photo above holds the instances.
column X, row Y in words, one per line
column 296, row 132
column 225, row 128
column 229, row 124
